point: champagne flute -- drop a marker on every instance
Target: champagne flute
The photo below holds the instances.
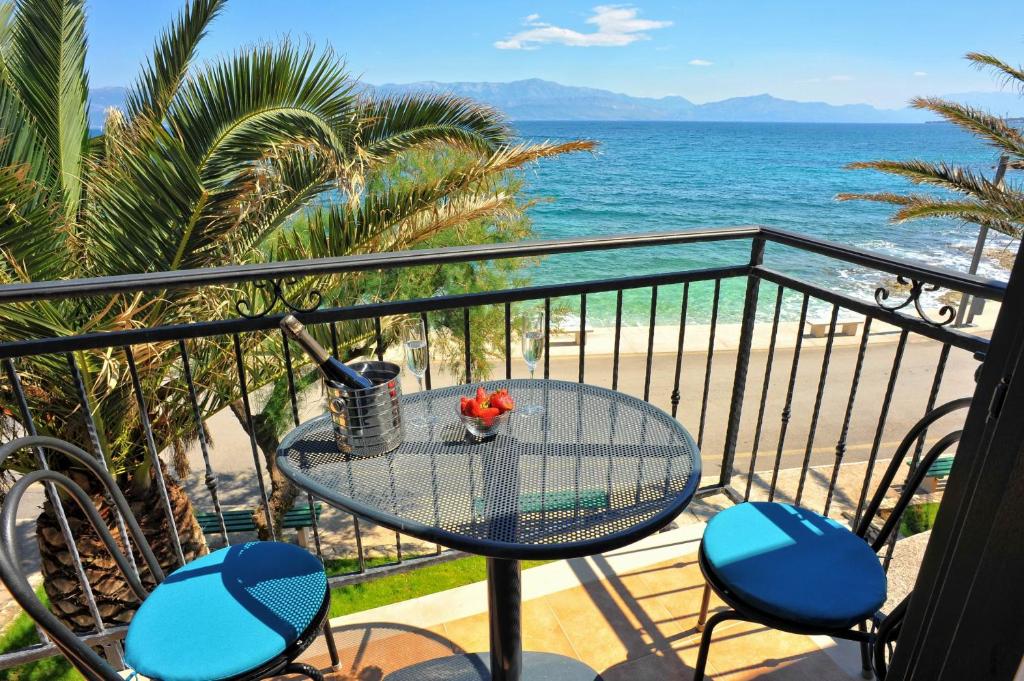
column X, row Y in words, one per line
column 533, row 350
column 414, row 340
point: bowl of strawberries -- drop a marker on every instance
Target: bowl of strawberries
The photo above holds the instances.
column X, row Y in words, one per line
column 486, row 413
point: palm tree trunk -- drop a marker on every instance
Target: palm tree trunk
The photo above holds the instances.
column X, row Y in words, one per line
column 115, row 600
column 282, row 492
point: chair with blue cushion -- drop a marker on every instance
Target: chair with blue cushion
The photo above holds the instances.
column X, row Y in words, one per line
column 243, row 612
column 789, row 568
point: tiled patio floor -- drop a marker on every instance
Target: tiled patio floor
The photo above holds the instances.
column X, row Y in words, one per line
column 625, row 618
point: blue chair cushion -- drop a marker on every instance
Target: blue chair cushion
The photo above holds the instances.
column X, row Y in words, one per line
column 226, row 613
column 794, row 564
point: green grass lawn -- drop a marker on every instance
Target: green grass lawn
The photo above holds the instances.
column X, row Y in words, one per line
column 21, row 633
column 344, row 600
column 418, row 582
column 917, row 519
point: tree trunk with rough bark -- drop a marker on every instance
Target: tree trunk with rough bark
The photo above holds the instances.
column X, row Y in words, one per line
column 282, row 492
column 115, row 599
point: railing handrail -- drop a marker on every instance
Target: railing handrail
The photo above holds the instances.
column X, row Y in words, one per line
column 220, row 327
column 230, row 274
column 982, row 287
column 990, row 289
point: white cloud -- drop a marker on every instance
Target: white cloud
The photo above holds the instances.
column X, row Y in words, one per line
column 920, row 74
column 700, row 62
column 840, row 79
column 617, row 26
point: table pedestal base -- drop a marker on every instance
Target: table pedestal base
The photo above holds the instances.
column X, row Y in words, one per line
column 536, row 667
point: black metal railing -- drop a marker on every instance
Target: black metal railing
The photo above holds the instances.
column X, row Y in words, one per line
column 913, row 325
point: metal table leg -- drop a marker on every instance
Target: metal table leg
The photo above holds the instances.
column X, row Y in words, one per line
column 504, row 603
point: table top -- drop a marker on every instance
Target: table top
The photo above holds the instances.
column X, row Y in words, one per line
column 595, row 471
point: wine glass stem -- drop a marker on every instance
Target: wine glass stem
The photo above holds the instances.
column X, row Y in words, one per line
column 419, row 380
column 531, row 372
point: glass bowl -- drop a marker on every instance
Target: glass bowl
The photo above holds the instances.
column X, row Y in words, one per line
column 479, row 429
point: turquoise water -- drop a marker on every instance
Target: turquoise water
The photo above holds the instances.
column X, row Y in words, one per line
column 664, row 176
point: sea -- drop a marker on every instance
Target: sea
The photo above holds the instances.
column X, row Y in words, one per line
column 658, row 176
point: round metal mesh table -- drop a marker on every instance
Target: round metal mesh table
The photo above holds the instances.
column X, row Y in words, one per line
column 596, row 470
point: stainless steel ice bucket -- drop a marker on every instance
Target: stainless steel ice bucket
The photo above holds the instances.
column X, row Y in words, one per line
column 368, row 421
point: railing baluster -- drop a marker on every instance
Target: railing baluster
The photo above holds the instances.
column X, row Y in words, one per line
column 210, row 479
column 158, row 472
column 710, row 361
column 650, row 343
column 890, row 388
column 618, row 339
column 55, row 503
column 289, row 374
column 508, row 340
column 355, row 520
column 822, row 378
column 933, row 394
column 765, row 385
column 583, row 333
column 332, row 648
column 844, row 432
column 547, row 338
column 101, row 456
column 787, row 409
column 379, row 338
column 250, row 427
column 467, row 342
column 334, row 338
column 426, row 337
column 681, row 350
column 739, row 379
column 360, row 556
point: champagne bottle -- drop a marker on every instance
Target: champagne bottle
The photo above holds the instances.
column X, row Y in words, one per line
column 332, row 368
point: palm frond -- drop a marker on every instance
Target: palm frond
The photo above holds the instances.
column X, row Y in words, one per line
column 232, row 111
column 174, row 51
column 997, row 131
column 944, row 175
column 922, row 206
column 1011, row 75
column 31, row 228
column 46, row 66
column 144, row 209
column 394, row 124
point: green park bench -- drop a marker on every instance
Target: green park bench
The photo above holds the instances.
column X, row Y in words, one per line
column 562, row 500
column 937, row 473
column 242, row 520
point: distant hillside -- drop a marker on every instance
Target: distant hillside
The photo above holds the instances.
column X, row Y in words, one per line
column 538, row 100
column 542, row 100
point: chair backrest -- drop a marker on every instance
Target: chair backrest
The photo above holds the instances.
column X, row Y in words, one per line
column 78, row 653
column 888, row 628
column 916, row 476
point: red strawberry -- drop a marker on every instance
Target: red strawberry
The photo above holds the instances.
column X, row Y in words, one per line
column 475, row 407
column 503, row 401
column 464, row 406
column 481, row 395
column 488, row 414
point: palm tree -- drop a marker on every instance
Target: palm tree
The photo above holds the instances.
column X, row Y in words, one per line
column 992, row 203
column 207, row 165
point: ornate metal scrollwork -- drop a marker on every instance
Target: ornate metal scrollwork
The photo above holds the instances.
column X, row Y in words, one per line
column 275, row 293
column 946, row 313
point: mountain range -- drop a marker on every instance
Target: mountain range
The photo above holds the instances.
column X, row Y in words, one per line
column 542, row 100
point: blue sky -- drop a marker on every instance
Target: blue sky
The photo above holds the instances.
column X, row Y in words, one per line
column 874, row 51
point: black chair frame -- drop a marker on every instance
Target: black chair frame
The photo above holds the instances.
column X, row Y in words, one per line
column 83, row 657
column 878, row 634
